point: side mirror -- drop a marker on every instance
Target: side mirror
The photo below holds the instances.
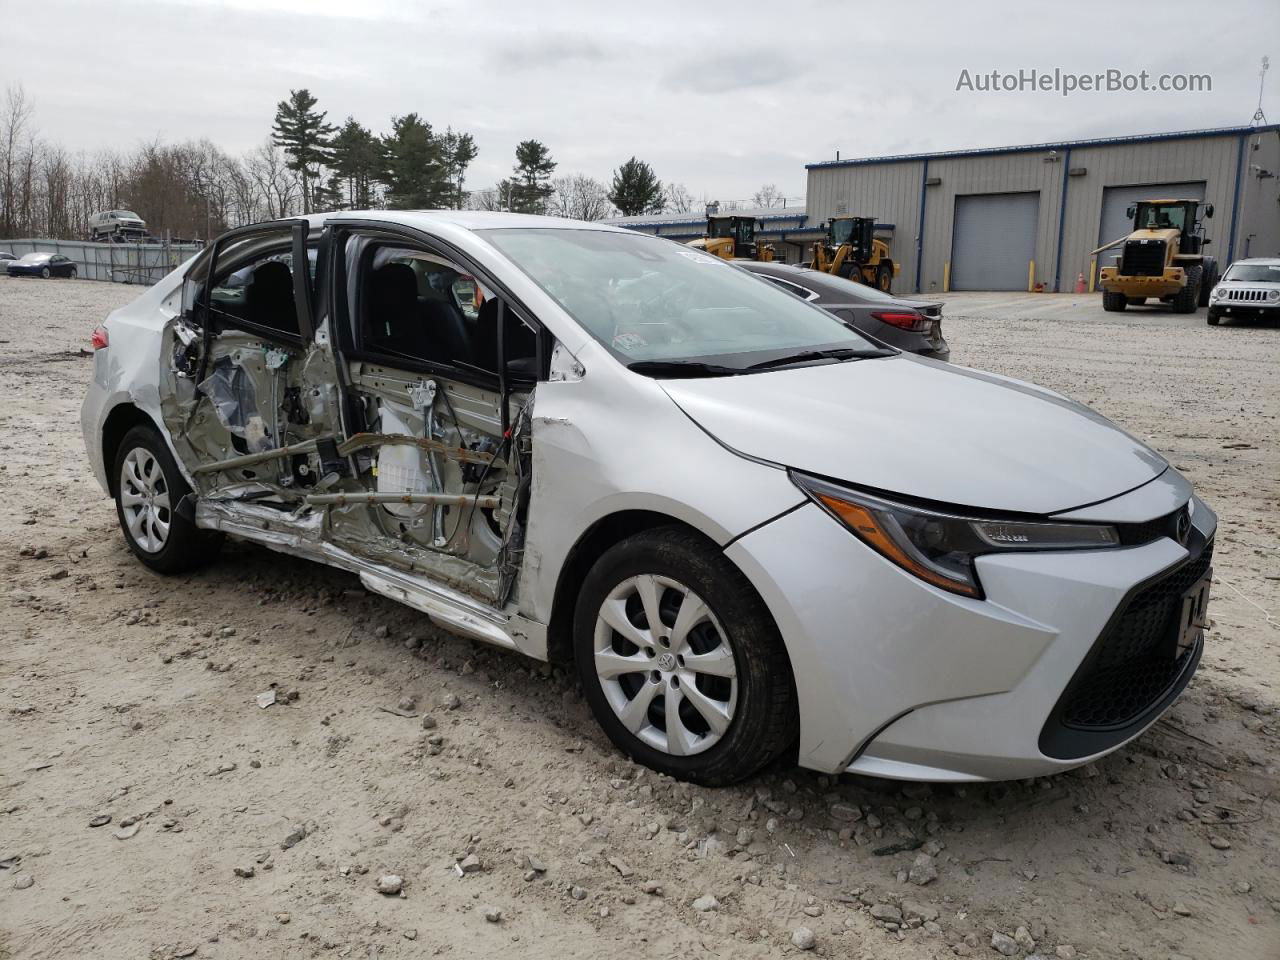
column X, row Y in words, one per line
column 1208, row 209
column 1131, row 211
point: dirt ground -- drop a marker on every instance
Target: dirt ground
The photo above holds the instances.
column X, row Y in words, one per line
column 237, row 831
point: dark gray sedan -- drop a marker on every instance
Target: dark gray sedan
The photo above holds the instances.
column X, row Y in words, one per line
column 911, row 325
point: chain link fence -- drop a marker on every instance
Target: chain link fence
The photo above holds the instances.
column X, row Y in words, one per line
column 142, row 263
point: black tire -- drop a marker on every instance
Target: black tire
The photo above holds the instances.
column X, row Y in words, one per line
column 884, row 278
column 1187, row 299
column 764, row 720
column 850, row 271
column 1212, row 319
column 185, row 546
column 1208, row 280
column 1113, row 302
column 72, row 275
column 45, row 273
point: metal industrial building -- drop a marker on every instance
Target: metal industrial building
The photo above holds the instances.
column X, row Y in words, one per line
column 1014, row 218
column 1027, row 217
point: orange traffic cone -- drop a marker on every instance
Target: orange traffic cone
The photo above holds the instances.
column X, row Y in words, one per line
column 1080, row 283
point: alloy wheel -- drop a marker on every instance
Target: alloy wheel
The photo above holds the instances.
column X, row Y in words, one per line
column 144, row 499
column 665, row 665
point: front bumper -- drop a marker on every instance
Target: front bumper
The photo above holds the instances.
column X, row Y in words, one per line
column 1250, row 311
column 1169, row 282
column 898, row 679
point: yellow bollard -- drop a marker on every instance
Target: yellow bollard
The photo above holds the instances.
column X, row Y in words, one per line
column 1093, row 275
column 946, row 276
column 1031, row 276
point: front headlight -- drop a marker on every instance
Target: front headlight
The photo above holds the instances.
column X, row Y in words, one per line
column 1273, row 295
column 938, row 547
column 1216, row 292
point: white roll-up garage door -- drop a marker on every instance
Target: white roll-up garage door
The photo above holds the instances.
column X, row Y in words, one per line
column 994, row 240
column 1116, row 200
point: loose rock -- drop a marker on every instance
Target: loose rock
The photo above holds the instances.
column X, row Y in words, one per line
column 1004, row 944
column 705, row 904
column 802, row 938
column 390, row 884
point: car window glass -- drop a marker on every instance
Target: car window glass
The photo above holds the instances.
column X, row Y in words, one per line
column 258, row 293
column 416, row 304
column 646, row 298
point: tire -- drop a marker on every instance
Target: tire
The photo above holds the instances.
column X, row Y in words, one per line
column 145, row 476
column 1208, row 279
column 45, row 273
column 72, row 275
column 1186, row 299
column 1113, row 302
column 884, row 278
column 750, row 699
column 850, row 271
column 1212, row 319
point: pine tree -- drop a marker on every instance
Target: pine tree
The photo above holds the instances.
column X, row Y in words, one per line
column 531, row 187
column 415, row 171
column 636, row 189
column 357, row 163
column 459, row 150
column 301, row 131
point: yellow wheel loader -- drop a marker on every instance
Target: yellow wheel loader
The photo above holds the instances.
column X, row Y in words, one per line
column 1163, row 258
column 733, row 238
column 851, row 251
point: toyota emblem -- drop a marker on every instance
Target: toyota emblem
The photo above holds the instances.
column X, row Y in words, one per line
column 1184, row 526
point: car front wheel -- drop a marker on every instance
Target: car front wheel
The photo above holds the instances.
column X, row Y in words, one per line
column 149, row 488
column 45, row 273
column 681, row 661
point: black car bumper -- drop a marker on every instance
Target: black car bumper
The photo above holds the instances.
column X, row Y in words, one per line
column 1252, row 311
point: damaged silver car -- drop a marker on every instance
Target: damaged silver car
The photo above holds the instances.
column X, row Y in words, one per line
column 756, row 533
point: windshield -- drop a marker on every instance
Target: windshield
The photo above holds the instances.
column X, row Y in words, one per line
column 841, row 231
column 36, row 257
column 648, row 299
column 1160, row 216
column 1254, row 272
column 128, row 213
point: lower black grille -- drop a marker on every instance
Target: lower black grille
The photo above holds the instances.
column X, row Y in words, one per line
column 1142, row 258
column 1133, row 668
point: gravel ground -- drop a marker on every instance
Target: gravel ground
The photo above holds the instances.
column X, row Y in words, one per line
column 476, row 784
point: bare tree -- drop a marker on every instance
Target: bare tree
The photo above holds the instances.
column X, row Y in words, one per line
column 15, row 160
column 678, row 199
column 579, row 197
column 768, row 196
column 489, row 198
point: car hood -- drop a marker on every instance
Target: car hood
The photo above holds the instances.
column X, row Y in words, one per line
column 925, row 430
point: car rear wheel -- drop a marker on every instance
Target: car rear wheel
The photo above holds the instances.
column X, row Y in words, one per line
column 680, row 660
column 149, row 488
column 1113, row 302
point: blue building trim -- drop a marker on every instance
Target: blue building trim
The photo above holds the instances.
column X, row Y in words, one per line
column 1039, row 147
column 1062, row 221
column 924, row 184
column 1235, row 198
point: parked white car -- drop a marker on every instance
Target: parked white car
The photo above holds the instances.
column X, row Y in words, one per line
column 758, row 534
column 117, row 225
column 1250, row 289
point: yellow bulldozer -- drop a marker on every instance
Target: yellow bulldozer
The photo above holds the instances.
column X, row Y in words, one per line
column 1163, row 258
column 733, row 237
column 852, row 251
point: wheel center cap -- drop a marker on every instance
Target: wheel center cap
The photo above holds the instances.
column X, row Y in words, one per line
column 666, row 662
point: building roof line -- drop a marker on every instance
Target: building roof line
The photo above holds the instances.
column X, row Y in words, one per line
column 1058, row 145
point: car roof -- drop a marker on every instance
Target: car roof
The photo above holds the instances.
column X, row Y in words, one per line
column 1265, row 261
column 466, row 219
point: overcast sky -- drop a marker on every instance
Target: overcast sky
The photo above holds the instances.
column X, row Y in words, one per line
column 721, row 97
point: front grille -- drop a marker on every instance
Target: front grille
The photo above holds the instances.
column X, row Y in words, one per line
column 1142, row 258
column 1136, row 534
column 1135, row 662
column 1244, row 296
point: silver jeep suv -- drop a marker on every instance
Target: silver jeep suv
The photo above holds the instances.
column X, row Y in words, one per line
column 1249, row 288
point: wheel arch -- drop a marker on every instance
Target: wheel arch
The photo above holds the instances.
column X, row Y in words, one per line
column 594, row 542
column 122, row 418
